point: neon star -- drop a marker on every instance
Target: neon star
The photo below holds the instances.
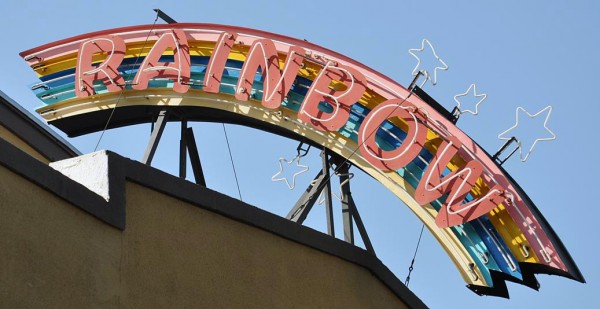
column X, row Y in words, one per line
column 278, row 175
column 551, row 136
column 482, row 97
column 426, row 73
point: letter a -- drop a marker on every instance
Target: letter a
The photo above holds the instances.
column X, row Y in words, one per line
column 178, row 71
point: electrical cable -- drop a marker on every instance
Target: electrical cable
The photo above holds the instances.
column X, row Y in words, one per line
column 237, row 183
column 112, row 112
column 412, row 263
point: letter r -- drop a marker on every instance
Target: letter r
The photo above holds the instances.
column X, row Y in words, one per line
column 86, row 72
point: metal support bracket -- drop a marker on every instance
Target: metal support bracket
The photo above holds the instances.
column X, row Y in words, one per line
column 164, row 16
column 497, row 158
column 157, row 130
column 187, row 145
column 327, row 188
column 456, row 114
column 321, row 183
column 305, row 203
column 414, row 81
column 183, row 151
column 190, row 141
column 347, row 212
column 434, row 104
column 350, row 212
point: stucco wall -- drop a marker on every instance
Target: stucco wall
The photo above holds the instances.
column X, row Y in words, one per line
column 207, row 260
column 52, row 254
column 171, row 254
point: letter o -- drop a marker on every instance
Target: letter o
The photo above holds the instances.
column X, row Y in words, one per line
column 410, row 147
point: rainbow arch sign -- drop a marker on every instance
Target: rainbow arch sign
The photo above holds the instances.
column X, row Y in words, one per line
column 481, row 217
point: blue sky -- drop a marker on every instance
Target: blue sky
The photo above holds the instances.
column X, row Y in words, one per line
column 530, row 54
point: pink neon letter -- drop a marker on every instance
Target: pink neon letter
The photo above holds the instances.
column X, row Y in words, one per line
column 275, row 83
column 410, row 147
column 457, row 185
column 340, row 100
column 86, row 72
column 179, row 70
column 216, row 64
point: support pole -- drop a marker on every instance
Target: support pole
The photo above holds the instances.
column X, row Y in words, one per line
column 305, row 203
column 361, row 227
column 327, row 188
column 157, row 131
column 183, row 151
column 346, row 208
column 350, row 212
column 190, row 141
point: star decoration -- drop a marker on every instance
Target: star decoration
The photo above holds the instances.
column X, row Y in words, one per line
column 552, row 136
column 426, row 73
column 278, row 176
column 482, row 97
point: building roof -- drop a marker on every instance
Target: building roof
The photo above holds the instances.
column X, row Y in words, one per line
column 33, row 132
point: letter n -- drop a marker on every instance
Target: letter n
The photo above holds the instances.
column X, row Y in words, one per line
column 276, row 84
column 218, row 59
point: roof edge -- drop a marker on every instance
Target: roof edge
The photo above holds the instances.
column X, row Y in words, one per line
column 33, row 131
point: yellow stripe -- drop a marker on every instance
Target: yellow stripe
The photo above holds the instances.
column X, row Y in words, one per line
column 512, row 235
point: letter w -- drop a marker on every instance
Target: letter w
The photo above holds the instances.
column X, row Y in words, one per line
column 457, row 185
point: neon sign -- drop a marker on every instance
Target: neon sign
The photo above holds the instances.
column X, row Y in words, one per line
column 263, row 55
column 484, row 221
